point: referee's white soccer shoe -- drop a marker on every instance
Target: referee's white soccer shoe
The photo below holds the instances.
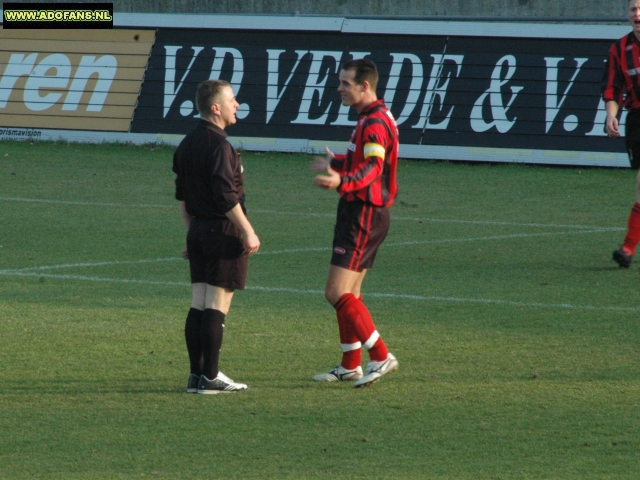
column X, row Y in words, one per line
column 339, row 374
column 220, row 384
column 375, row 370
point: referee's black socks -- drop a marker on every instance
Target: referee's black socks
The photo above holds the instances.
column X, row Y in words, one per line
column 211, row 333
column 192, row 336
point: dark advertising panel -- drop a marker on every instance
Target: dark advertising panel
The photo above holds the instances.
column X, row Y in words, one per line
column 452, row 91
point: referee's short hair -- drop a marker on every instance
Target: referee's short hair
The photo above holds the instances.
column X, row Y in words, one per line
column 209, row 93
column 365, row 70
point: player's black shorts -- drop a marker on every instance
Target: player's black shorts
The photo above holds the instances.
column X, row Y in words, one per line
column 216, row 255
column 632, row 137
column 360, row 229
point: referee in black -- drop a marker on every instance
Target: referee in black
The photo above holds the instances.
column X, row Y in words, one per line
column 209, row 187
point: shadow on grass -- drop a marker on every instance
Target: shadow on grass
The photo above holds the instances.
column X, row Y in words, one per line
column 604, row 269
column 88, row 386
column 135, row 386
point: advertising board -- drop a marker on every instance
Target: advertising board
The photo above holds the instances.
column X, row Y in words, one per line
column 467, row 91
column 523, row 94
column 71, row 79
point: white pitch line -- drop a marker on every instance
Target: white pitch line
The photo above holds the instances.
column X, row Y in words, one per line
column 504, row 302
column 441, row 220
column 312, row 214
column 89, row 204
column 485, row 301
column 298, row 214
column 310, row 249
column 499, row 237
column 456, row 240
column 91, row 279
column 94, row 264
column 488, row 222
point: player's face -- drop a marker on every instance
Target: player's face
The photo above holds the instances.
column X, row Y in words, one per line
column 634, row 16
column 350, row 92
column 227, row 106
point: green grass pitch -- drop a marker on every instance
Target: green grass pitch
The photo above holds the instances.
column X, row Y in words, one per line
column 517, row 336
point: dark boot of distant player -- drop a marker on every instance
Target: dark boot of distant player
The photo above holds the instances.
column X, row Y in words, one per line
column 624, row 255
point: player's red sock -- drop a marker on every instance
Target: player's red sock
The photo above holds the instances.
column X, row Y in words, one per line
column 351, row 346
column 379, row 351
column 633, row 231
column 356, row 314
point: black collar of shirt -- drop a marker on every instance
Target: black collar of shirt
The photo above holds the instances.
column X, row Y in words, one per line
column 214, row 128
column 372, row 105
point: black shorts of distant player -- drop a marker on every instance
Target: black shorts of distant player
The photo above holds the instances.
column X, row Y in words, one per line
column 360, row 229
column 216, row 254
column 632, row 138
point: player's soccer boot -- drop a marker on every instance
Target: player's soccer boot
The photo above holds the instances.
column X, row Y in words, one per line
column 192, row 384
column 375, row 370
column 339, row 374
column 623, row 260
column 221, row 383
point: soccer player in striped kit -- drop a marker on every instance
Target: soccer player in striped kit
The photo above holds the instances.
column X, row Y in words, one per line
column 365, row 178
column 621, row 86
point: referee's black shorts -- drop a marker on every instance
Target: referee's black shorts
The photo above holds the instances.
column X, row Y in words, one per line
column 216, row 256
column 360, row 229
column 632, row 138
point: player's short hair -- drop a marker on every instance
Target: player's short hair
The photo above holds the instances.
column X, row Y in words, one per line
column 365, row 70
column 209, row 93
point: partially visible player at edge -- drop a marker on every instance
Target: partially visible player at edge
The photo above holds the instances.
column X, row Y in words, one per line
column 209, row 187
column 621, row 86
column 365, row 178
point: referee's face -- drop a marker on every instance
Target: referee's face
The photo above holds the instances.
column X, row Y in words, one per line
column 634, row 16
column 350, row 92
column 227, row 106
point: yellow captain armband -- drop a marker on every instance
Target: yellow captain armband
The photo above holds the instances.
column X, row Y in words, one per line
column 374, row 150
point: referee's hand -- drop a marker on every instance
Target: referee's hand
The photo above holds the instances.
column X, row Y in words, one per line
column 250, row 243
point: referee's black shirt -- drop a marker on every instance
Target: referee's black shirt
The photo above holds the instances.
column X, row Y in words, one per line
column 209, row 172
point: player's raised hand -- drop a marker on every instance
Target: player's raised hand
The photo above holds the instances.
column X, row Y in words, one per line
column 329, row 181
column 321, row 164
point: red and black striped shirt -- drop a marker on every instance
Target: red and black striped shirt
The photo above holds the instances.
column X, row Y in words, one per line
column 621, row 78
column 368, row 169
